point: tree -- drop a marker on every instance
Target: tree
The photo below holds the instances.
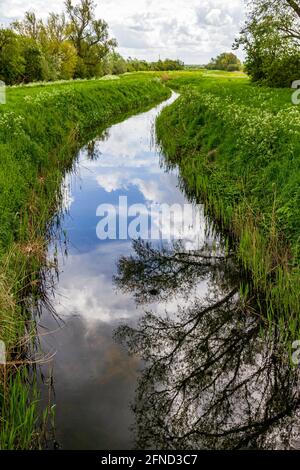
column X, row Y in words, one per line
column 41, row 44
column 114, row 64
column 70, row 44
column 167, row 64
column 30, row 27
column 56, row 28
column 67, row 60
column 12, row 62
column 89, row 36
column 226, row 61
column 59, row 52
column 135, row 65
column 271, row 39
column 35, row 65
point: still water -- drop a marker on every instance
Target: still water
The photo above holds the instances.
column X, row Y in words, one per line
column 199, row 373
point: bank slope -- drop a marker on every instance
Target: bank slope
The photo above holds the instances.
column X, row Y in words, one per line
column 238, row 149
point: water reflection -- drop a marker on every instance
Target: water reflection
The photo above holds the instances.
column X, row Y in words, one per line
column 211, row 381
column 93, row 377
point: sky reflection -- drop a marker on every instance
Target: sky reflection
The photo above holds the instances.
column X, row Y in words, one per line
column 94, row 379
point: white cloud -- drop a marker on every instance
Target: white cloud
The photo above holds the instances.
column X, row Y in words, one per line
column 113, row 180
column 192, row 31
column 215, row 17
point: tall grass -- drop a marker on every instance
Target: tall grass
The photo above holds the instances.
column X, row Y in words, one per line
column 238, row 149
column 19, row 412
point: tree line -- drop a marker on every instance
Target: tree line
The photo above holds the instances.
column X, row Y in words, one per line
column 73, row 44
column 115, row 64
column 226, row 61
column 271, row 40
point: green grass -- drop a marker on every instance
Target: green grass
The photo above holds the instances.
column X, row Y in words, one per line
column 41, row 127
column 19, row 410
column 238, row 149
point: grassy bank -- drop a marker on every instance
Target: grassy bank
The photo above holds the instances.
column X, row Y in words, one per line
column 238, row 149
column 41, row 127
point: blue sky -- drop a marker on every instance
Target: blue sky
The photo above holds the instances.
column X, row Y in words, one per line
column 192, row 30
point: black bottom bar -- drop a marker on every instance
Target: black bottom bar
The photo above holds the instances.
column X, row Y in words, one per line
column 140, row 459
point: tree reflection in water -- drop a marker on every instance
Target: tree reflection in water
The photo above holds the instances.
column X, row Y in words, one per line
column 211, row 378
